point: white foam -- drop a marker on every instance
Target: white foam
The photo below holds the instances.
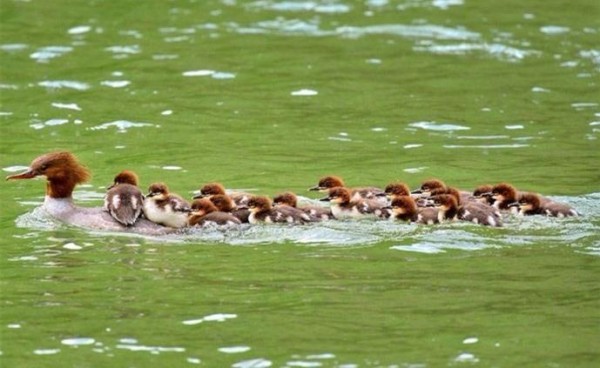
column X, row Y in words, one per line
column 15, row 168
column 470, row 340
column 72, row 246
column 76, row 341
column 46, row 351
column 116, row 84
column 431, row 125
column 129, row 49
column 304, row 92
column 234, row 349
column 79, row 30
column 554, row 30
column 121, row 125
column 219, row 317
column 466, row 357
column 80, row 86
column 68, row 106
column 198, row 73
column 46, row 53
column 253, row 363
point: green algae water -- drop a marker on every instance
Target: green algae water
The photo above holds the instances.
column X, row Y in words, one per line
column 268, row 96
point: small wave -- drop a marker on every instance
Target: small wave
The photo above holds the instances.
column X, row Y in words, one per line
column 431, row 125
column 44, row 54
column 121, row 125
column 80, row 86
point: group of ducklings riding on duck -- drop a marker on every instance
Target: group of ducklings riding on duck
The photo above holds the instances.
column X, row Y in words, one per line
column 126, row 208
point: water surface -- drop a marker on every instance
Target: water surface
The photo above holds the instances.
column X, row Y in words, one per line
column 268, row 96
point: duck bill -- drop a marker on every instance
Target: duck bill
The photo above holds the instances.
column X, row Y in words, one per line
column 199, row 195
column 514, row 204
column 417, row 191
column 315, row 189
column 325, row 199
column 29, row 174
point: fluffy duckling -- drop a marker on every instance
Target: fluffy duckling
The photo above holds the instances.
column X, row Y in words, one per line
column 428, row 186
column 124, row 201
column 261, row 211
column 163, row 207
column 483, row 194
column 404, row 208
column 504, row 195
column 343, row 205
column 532, row 204
column 210, row 189
column 471, row 210
column 447, row 207
column 315, row 212
column 394, row 190
column 225, row 203
column 329, row 182
column 204, row 212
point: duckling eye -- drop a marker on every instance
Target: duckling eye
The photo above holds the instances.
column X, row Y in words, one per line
column 44, row 167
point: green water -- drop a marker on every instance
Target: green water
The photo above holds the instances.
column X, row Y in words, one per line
column 472, row 92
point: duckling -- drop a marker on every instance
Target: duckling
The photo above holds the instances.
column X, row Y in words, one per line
column 329, row 182
column 225, row 203
column 204, row 212
column 210, row 189
column 394, row 190
column 315, row 212
column 503, row 195
column 483, row 194
column 261, row 211
column 163, row 207
column 447, row 207
column 343, row 205
column 404, row 208
column 471, row 210
column 124, row 200
column 429, row 185
column 532, row 204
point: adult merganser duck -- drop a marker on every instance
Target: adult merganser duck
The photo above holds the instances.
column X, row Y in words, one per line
column 204, row 212
column 315, row 212
column 210, row 189
column 261, row 211
column 124, row 200
column 532, row 204
column 63, row 172
column 165, row 208
column 224, row 203
column 343, row 205
column 404, row 208
column 329, row 182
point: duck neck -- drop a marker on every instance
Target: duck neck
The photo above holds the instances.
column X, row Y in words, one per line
column 60, row 187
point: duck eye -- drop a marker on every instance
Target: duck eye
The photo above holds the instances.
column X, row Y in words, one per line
column 43, row 167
